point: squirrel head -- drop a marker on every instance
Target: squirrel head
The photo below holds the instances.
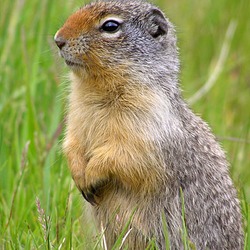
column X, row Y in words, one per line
column 119, row 38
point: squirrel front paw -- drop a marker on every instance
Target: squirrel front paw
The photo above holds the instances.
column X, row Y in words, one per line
column 95, row 183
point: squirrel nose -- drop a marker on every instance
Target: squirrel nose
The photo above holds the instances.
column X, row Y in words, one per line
column 60, row 41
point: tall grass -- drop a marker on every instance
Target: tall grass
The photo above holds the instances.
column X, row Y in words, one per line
column 39, row 206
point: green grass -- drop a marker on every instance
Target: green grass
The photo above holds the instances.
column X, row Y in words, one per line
column 40, row 207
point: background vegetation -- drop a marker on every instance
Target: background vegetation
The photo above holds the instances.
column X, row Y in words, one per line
column 39, row 206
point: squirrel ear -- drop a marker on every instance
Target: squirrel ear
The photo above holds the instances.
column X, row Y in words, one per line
column 157, row 24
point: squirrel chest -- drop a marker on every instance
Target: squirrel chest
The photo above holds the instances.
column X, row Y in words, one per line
column 115, row 133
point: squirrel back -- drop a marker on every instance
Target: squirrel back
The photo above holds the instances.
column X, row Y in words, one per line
column 136, row 151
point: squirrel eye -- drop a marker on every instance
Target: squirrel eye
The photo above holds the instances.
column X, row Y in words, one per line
column 110, row 26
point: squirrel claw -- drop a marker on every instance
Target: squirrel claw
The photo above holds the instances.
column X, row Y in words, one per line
column 94, row 191
column 89, row 197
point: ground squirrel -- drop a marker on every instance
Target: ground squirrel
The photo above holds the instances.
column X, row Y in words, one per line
column 134, row 148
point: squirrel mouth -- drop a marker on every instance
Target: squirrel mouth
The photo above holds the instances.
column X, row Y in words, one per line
column 73, row 64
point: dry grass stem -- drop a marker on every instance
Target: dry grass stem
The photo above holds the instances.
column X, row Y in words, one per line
column 125, row 237
column 43, row 220
column 104, row 243
column 219, row 66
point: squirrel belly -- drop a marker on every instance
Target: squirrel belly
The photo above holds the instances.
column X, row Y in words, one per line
column 136, row 151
